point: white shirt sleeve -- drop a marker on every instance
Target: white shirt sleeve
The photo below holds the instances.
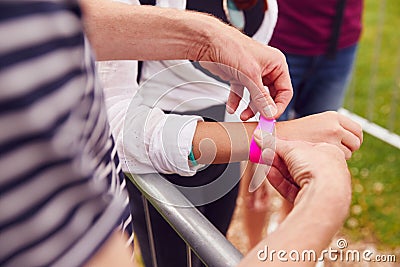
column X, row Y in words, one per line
column 147, row 139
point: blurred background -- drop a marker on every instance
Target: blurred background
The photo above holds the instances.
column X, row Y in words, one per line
column 374, row 94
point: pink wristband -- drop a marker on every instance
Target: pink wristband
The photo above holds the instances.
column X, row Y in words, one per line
column 266, row 125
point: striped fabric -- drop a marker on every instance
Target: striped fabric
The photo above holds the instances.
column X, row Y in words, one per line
column 61, row 187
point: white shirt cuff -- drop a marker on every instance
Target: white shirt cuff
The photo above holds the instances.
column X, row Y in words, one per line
column 171, row 144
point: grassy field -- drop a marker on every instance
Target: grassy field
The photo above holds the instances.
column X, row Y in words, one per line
column 375, row 94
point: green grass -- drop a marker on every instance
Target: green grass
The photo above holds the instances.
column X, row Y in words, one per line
column 375, row 212
column 378, row 65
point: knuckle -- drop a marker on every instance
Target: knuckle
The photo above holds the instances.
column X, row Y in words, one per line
column 336, row 131
column 359, row 130
column 347, row 155
column 279, row 54
column 260, row 97
column 332, row 114
column 330, row 148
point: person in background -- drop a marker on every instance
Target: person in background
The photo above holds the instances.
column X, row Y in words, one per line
column 319, row 40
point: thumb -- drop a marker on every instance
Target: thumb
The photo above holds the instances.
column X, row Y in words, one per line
column 283, row 148
column 261, row 98
column 265, row 139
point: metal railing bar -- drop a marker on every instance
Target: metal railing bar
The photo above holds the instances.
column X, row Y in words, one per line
column 205, row 240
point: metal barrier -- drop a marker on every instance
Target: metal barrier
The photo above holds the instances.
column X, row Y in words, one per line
column 200, row 235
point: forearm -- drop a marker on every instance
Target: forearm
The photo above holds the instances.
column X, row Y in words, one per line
column 161, row 143
column 121, row 31
column 222, row 142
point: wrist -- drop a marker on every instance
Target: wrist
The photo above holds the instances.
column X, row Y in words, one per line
column 284, row 130
column 212, row 37
column 203, row 28
column 255, row 151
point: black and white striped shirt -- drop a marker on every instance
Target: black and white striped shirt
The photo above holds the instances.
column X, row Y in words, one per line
column 61, row 186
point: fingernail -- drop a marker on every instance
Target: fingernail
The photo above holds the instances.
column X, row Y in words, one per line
column 270, row 111
column 257, row 135
column 229, row 109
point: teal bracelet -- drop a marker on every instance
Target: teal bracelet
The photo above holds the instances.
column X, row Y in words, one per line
column 192, row 159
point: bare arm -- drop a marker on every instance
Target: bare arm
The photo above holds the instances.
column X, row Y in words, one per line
column 222, row 142
column 229, row 142
column 120, row 31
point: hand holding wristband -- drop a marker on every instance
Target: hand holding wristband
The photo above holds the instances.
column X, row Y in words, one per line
column 266, row 125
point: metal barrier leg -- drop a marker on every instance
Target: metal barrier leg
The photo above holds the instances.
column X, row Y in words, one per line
column 149, row 231
column 188, row 256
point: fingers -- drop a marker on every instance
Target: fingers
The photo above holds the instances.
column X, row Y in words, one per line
column 283, row 148
column 278, row 81
column 286, row 188
column 350, row 141
column 347, row 152
column 278, row 175
column 281, row 166
column 276, row 76
column 352, row 127
column 281, row 95
column 352, row 136
column 262, row 100
column 268, row 153
column 260, row 97
column 264, row 140
column 282, row 101
column 235, row 96
column 248, row 113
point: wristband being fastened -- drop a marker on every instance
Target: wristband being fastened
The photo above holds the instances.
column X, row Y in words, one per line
column 266, row 125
